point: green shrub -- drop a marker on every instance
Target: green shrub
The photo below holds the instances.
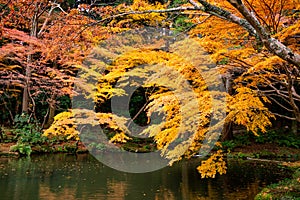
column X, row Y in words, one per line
column 23, row 149
column 229, row 145
column 27, row 133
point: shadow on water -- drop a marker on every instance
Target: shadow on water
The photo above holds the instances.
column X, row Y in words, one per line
column 68, row 177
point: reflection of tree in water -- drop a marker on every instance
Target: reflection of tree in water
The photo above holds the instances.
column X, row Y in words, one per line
column 47, row 193
column 165, row 194
column 116, row 190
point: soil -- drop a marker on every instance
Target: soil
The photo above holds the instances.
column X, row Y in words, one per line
column 5, row 149
column 62, row 147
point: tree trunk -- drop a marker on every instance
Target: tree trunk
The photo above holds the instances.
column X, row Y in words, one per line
column 51, row 115
column 25, row 99
column 227, row 132
column 1, row 134
column 294, row 127
column 26, row 90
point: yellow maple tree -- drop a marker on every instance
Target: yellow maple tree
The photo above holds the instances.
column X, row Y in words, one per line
column 253, row 45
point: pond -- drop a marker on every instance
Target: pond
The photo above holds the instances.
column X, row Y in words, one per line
column 70, row 177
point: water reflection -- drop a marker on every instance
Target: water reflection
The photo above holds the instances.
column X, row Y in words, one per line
column 82, row 177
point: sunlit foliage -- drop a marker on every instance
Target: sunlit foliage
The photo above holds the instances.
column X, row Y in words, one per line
column 63, row 125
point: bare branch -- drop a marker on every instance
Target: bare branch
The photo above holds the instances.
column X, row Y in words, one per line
column 282, row 106
column 284, row 116
column 54, row 5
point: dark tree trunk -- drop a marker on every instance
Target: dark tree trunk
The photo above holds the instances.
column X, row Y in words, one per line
column 1, row 135
column 227, row 132
column 294, row 127
column 26, row 90
column 52, row 110
column 50, row 116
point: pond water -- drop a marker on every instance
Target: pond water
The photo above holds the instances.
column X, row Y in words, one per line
column 70, row 177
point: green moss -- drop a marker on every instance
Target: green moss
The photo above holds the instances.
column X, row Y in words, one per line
column 286, row 189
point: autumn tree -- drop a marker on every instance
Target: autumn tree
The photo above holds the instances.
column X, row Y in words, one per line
column 250, row 42
column 263, row 57
column 263, row 32
column 41, row 43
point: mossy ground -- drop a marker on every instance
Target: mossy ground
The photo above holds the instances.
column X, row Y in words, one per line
column 288, row 189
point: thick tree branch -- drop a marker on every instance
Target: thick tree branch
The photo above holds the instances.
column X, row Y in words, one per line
column 250, row 23
column 180, row 9
column 253, row 26
column 224, row 14
column 271, row 43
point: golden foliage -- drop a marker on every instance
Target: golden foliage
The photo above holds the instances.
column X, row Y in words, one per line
column 63, row 125
column 178, row 92
column 248, row 64
column 119, row 138
column 67, row 123
column 124, row 17
column 247, row 109
column 226, row 40
column 152, row 18
column 213, row 165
